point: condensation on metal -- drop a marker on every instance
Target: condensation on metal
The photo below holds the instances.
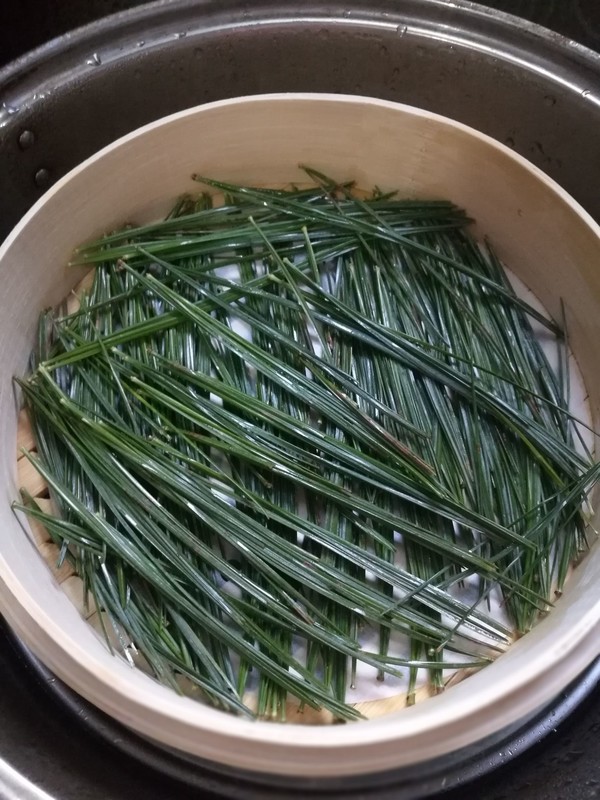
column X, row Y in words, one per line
column 118, row 47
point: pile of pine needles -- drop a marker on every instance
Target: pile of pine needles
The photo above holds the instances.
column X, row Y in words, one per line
column 275, row 424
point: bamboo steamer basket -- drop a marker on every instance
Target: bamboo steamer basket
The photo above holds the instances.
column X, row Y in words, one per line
column 545, row 237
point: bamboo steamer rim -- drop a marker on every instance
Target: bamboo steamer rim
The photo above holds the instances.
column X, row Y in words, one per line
column 469, row 711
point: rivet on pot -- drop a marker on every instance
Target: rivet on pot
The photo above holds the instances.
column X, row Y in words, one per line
column 41, row 178
column 26, row 139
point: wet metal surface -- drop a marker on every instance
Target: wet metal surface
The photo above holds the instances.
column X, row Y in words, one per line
column 538, row 93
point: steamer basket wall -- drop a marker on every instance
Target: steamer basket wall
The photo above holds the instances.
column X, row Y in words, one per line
column 537, row 229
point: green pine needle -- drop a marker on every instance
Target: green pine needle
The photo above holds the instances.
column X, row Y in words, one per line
column 279, row 423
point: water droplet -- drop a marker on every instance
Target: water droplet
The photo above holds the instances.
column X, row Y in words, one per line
column 402, row 30
column 41, row 178
column 26, row 139
column 586, row 93
column 10, row 109
column 181, row 35
column 141, row 43
column 346, row 14
column 549, row 100
column 94, row 61
column 509, row 142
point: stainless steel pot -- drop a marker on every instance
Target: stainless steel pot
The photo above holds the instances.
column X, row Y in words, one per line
column 523, row 85
column 529, row 88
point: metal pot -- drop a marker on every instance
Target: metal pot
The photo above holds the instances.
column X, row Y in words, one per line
column 523, row 85
column 530, row 89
